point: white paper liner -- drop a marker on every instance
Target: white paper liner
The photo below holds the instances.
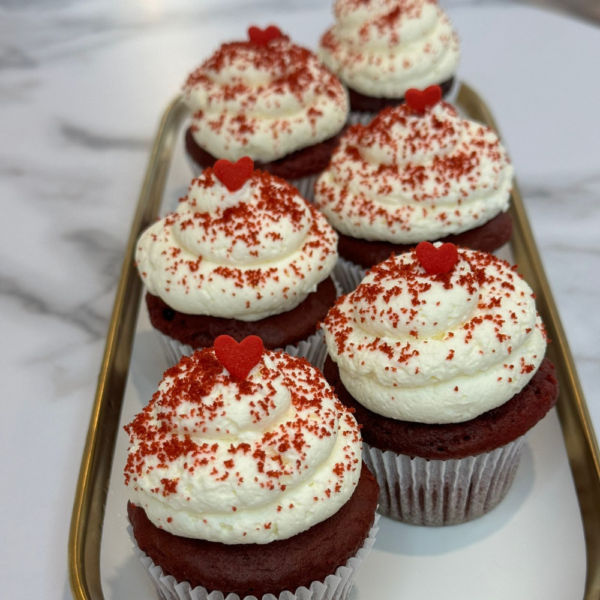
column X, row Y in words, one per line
column 306, row 186
column 335, row 587
column 442, row 492
column 358, row 116
column 348, row 275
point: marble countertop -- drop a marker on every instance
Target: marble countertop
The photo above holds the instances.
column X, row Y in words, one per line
column 83, row 85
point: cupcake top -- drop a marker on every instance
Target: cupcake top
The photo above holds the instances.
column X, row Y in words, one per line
column 382, row 48
column 443, row 346
column 245, row 253
column 264, row 98
column 416, row 172
column 252, row 452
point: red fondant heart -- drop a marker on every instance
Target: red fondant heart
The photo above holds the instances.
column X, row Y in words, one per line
column 262, row 37
column 234, row 175
column 437, row 260
column 239, row 359
column 420, row 101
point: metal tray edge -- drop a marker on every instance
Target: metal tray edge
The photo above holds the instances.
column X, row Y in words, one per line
column 92, row 487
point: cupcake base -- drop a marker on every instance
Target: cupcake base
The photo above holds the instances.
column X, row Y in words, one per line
column 290, row 328
column 487, row 238
column 442, row 492
column 325, row 557
column 363, row 109
column 448, row 474
column 301, row 168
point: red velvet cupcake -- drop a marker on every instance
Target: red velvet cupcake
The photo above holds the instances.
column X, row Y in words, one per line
column 382, row 48
column 441, row 354
column 244, row 254
column 417, row 172
column 269, row 99
column 245, row 477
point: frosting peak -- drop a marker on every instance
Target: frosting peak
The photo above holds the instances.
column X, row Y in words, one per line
column 263, row 100
column 436, row 348
column 408, row 177
column 382, row 48
column 247, row 254
column 248, row 461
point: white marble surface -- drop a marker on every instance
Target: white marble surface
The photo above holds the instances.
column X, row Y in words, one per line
column 82, row 86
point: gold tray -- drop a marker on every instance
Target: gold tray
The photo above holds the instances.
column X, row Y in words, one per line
column 90, row 500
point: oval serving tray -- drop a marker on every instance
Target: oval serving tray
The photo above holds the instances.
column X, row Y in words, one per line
column 406, row 562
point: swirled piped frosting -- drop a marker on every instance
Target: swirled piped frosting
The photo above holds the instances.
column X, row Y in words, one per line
column 263, row 101
column 382, row 48
column 236, row 462
column 408, row 177
column 436, row 348
column 246, row 255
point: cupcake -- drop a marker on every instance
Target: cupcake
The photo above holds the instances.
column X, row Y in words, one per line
column 417, row 173
column 244, row 254
column 382, row 48
column 441, row 354
column 245, row 477
column 268, row 99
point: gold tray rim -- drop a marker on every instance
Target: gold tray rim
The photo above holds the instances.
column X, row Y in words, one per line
column 90, row 499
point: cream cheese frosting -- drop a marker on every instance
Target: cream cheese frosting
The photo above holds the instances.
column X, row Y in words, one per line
column 408, row 177
column 264, row 101
column 382, row 48
column 242, row 462
column 436, row 348
column 246, row 255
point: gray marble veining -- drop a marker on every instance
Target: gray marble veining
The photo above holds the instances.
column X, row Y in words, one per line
column 82, row 85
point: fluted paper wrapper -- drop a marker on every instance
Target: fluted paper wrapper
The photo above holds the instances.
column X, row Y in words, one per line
column 348, row 275
column 357, row 116
column 442, row 492
column 336, row 586
column 313, row 349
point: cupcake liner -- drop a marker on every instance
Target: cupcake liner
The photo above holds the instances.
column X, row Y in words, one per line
column 335, row 587
column 357, row 116
column 313, row 349
column 306, row 186
column 348, row 275
column 442, row 492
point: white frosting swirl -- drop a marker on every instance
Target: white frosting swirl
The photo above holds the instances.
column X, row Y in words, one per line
column 407, row 177
column 264, row 101
column 382, row 48
column 245, row 255
column 242, row 462
column 436, row 348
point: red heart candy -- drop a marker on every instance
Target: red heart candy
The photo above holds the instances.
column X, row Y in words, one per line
column 262, row 37
column 437, row 260
column 239, row 359
column 234, row 175
column 420, row 101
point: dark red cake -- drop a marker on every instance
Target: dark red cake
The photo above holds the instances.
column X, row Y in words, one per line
column 276, row 331
column 485, row 433
column 362, row 103
column 258, row 569
column 487, row 238
column 302, row 163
